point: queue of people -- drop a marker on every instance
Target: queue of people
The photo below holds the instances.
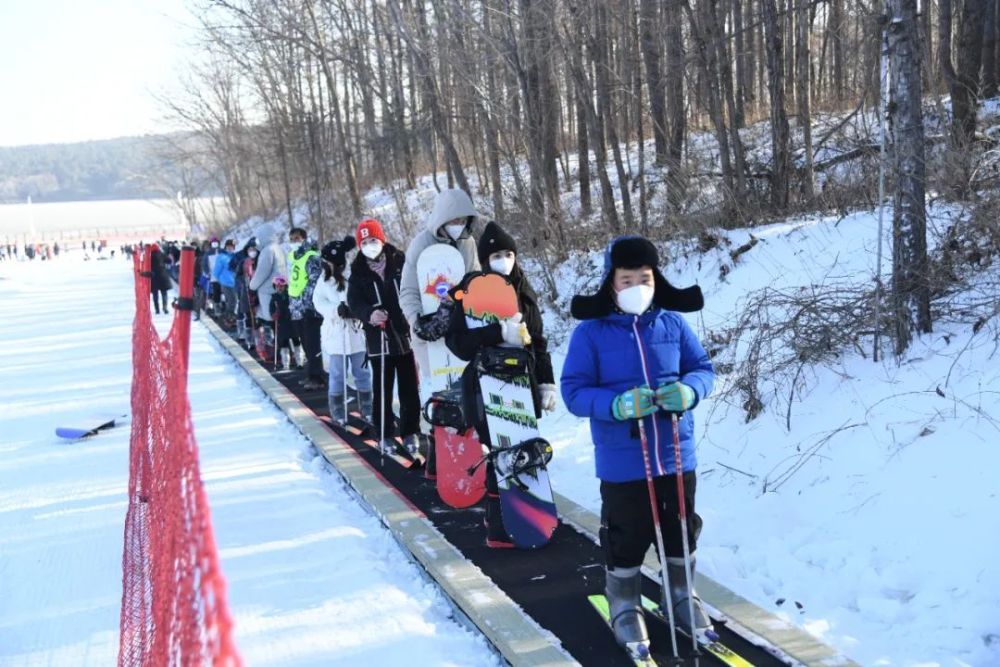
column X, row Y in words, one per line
column 354, row 306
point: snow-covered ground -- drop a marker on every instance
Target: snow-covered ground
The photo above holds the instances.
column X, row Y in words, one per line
column 312, row 578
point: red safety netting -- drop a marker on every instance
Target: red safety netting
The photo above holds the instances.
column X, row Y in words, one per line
column 174, row 609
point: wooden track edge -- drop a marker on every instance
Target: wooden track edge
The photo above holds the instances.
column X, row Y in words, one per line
column 518, row 639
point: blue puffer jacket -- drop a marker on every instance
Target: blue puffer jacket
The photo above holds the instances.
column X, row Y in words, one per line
column 222, row 272
column 603, row 361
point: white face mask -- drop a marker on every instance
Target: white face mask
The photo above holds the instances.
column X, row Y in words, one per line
column 454, row 231
column 635, row 300
column 371, row 249
column 215, row 244
column 295, row 245
column 503, row 266
column 251, row 253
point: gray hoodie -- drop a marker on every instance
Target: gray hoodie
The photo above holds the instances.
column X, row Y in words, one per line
column 448, row 205
column 270, row 263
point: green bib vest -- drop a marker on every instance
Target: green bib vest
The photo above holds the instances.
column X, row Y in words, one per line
column 300, row 277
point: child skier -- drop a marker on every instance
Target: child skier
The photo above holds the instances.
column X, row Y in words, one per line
column 498, row 251
column 631, row 359
column 342, row 337
column 373, row 298
column 281, row 318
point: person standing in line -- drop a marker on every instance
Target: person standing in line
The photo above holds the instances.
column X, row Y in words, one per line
column 373, row 293
column 498, row 251
column 343, row 339
column 306, row 268
column 270, row 265
column 634, row 362
column 225, row 277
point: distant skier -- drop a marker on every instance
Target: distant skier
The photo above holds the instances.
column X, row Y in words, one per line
column 343, row 339
column 159, row 279
column 498, row 251
column 373, row 294
column 604, row 378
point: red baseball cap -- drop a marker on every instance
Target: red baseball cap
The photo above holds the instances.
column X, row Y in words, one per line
column 369, row 228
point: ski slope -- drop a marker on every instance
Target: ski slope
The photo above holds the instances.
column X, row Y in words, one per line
column 312, row 578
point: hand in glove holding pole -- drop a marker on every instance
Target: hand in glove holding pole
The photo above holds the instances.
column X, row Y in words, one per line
column 675, row 397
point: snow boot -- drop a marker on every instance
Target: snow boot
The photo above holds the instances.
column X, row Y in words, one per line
column 496, row 534
column 412, row 444
column 365, row 405
column 623, row 588
column 337, row 412
column 702, row 625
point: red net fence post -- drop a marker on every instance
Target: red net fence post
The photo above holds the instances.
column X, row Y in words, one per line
column 174, row 609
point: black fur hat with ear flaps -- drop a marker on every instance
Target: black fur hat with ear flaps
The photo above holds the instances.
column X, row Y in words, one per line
column 633, row 252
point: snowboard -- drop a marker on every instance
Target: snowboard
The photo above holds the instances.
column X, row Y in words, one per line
column 458, row 454
column 519, row 454
column 90, row 425
column 439, row 268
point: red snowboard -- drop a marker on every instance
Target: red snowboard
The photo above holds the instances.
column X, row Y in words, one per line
column 457, row 454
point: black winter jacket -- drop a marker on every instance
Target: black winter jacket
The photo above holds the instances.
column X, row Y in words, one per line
column 159, row 280
column 367, row 292
column 465, row 343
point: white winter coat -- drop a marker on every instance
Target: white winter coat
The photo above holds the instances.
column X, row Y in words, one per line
column 270, row 263
column 448, row 205
column 336, row 332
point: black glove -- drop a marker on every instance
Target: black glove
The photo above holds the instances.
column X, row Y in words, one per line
column 434, row 326
column 344, row 312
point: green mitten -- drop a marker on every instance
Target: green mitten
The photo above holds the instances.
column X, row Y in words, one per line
column 675, row 397
column 634, row 404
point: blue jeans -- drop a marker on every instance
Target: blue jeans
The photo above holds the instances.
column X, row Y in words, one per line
column 362, row 375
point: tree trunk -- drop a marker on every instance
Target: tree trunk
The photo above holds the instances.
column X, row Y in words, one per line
column 989, row 50
column 676, row 114
column 910, row 271
column 804, row 96
column 650, row 36
column 781, row 155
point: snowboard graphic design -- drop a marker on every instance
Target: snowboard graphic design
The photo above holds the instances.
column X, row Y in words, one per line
column 90, row 425
column 520, row 454
column 458, row 454
column 439, row 268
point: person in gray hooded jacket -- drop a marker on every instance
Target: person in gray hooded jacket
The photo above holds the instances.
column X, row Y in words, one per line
column 270, row 264
column 450, row 222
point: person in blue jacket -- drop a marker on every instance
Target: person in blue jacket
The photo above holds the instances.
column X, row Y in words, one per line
column 226, row 278
column 610, row 380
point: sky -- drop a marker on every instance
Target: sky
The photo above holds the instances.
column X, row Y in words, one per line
column 76, row 70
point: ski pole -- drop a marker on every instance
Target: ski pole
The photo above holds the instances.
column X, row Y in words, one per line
column 654, row 506
column 344, row 380
column 381, row 405
column 682, row 509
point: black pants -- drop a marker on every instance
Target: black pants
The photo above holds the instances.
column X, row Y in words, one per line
column 160, row 295
column 627, row 520
column 401, row 368
column 307, row 330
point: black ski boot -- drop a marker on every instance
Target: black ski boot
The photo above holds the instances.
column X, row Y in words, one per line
column 702, row 626
column 337, row 412
column 365, row 405
column 623, row 588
